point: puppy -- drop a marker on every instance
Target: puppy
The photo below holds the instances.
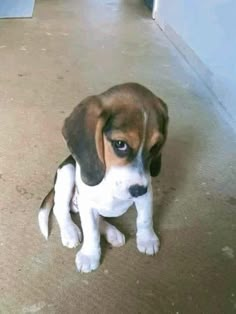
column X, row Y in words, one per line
column 115, row 139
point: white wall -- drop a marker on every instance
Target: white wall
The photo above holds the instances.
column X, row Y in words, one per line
column 208, row 27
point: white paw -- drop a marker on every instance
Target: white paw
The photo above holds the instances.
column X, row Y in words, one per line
column 85, row 263
column 70, row 235
column 148, row 243
column 114, row 236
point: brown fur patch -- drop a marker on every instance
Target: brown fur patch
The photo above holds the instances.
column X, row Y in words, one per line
column 117, row 114
column 125, row 124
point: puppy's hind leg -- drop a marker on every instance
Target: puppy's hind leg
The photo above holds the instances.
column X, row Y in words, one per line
column 111, row 233
column 64, row 189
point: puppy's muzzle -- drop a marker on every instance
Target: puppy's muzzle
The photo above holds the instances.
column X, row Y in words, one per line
column 137, row 190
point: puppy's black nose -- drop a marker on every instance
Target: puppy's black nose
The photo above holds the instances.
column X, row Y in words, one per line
column 137, row 190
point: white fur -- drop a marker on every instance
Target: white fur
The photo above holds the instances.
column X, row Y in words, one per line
column 147, row 240
column 110, row 198
column 111, row 233
column 64, row 186
column 93, row 201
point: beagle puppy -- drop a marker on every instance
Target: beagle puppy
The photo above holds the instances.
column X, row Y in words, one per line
column 115, row 140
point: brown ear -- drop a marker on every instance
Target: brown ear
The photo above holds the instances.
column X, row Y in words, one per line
column 161, row 111
column 82, row 131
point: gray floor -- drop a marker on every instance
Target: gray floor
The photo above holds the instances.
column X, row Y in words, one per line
column 69, row 50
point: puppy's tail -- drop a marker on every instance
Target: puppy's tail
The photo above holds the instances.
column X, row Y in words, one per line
column 44, row 212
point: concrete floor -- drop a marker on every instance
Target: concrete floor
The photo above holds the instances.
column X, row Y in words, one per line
column 69, row 50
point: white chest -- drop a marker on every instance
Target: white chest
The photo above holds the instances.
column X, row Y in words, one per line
column 109, row 197
column 104, row 203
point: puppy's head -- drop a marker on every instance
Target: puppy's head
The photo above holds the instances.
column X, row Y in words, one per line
column 118, row 136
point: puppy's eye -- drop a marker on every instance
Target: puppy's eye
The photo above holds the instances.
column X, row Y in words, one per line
column 121, row 148
column 120, row 145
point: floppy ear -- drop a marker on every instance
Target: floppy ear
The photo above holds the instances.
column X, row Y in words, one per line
column 161, row 112
column 82, row 131
column 155, row 166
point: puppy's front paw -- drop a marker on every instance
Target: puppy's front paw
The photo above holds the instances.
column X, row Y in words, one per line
column 85, row 263
column 70, row 235
column 148, row 243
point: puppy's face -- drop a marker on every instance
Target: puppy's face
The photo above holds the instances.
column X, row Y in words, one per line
column 130, row 138
column 117, row 136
